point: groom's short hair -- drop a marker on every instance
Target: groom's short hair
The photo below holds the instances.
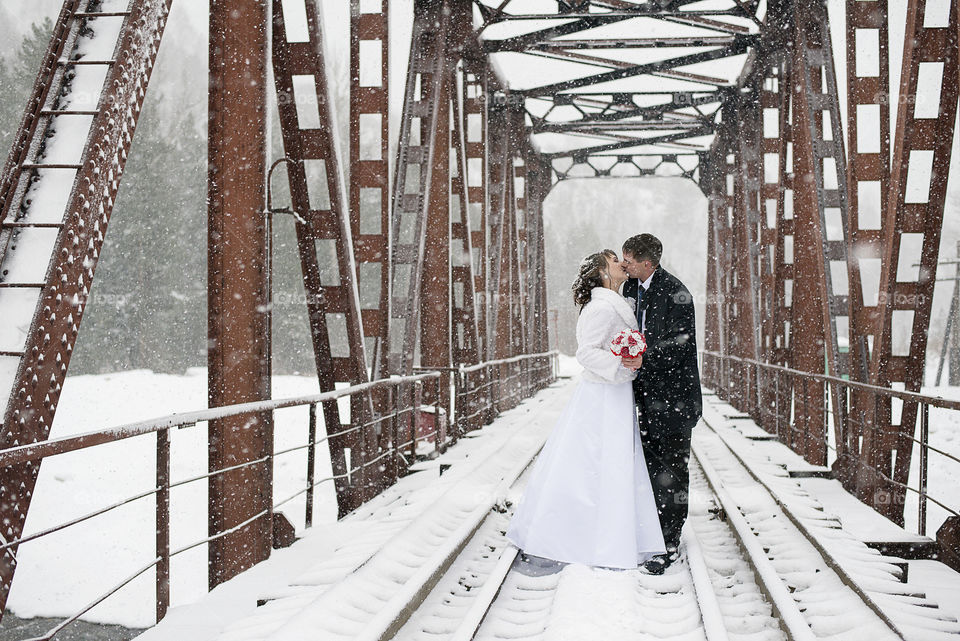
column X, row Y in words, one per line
column 644, row 247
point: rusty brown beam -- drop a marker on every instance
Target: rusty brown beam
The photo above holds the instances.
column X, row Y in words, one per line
column 323, row 240
column 369, row 192
column 918, row 183
column 238, row 326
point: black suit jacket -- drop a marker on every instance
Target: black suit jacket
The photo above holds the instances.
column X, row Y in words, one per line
column 667, row 388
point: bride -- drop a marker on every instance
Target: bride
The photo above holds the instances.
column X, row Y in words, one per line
column 589, row 498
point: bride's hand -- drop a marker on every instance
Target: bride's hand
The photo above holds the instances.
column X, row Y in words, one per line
column 632, row 363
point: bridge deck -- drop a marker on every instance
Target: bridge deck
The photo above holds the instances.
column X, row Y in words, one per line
column 427, row 559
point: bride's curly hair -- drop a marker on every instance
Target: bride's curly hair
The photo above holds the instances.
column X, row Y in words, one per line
column 589, row 277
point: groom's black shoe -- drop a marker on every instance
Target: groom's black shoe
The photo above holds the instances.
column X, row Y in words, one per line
column 658, row 564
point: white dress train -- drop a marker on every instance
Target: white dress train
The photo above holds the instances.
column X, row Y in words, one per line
column 589, row 499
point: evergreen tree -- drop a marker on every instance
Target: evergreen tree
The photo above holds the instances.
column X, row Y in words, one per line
column 17, row 75
column 147, row 306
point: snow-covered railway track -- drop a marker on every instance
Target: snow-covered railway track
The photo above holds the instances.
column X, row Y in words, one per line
column 710, row 595
column 821, row 581
column 489, row 595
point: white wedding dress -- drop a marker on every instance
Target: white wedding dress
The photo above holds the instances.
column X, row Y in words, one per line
column 589, row 498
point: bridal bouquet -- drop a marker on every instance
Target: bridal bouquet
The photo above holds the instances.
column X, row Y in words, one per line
column 628, row 344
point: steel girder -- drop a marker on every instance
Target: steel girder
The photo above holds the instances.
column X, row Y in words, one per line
column 868, row 106
column 423, row 111
column 745, row 278
column 778, row 339
column 738, row 46
column 802, row 332
column 466, row 332
column 819, row 245
column 773, row 91
column 240, row 503
column 52, row 284
column 435, row 346
column 712, row 182
column 537, row 185
column 463, row 234
column 369, row 185
column 918, row 183
column 522, row 294
column 868, row 150
column 501, row 204
column 822, row 287
column 507, row 228
column 476, row 88
column 324, row 242
column 783, row 271
column 369, row 196
column 719, row 189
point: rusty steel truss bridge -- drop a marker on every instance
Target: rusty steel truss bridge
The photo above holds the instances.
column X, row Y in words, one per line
column 440, row 247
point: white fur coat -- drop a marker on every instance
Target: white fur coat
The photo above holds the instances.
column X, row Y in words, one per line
column 607, row 314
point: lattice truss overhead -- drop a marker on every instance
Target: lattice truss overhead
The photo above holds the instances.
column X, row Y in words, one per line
column 435, row 258
column 621, row 88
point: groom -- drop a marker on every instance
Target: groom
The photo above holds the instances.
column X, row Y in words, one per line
column 667, row 389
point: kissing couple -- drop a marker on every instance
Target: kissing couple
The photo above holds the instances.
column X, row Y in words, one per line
column 609, row 489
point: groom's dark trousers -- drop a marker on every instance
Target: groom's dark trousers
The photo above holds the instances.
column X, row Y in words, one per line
column 667, row 392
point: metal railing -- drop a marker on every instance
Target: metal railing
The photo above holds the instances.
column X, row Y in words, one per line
column 401, row 412
column 484, row 390
column 778, row 398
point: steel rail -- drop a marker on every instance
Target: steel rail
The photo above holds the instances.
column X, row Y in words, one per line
column 732, row 508
column 787, row 610
column 711, row 616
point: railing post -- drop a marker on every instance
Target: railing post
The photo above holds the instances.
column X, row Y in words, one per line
column 439, row 447
column 470, row 389
column 163, row 523
column 776, row 404
column 491, row 396
column 415, row 418
column 843, row 428
column 531, row 373
column 392, row 400
column 456, row 427
column 358, row 420
column 311, row 464
column 924, row 454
